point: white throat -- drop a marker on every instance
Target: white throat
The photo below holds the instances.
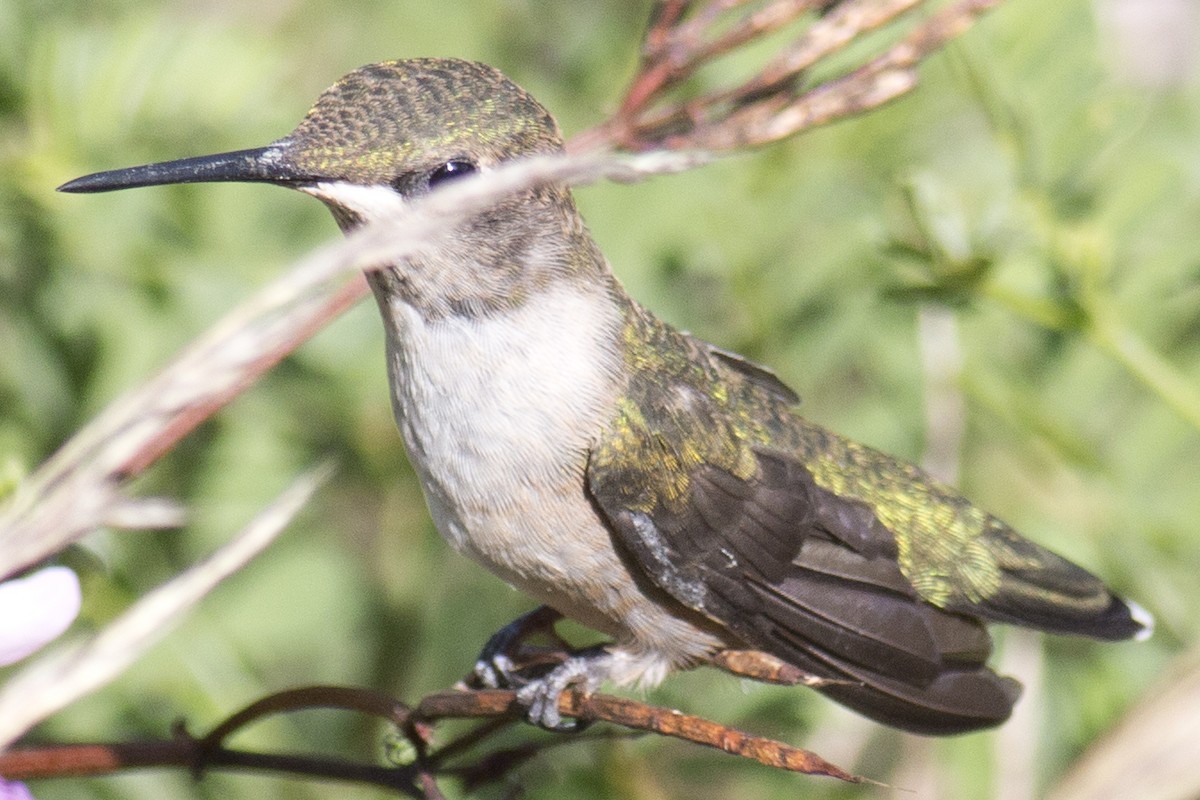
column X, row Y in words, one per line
column 495, row 405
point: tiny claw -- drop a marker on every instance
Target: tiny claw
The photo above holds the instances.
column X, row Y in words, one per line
column 584, row 671
column 540, row 675
column 494, row 671
column 496, row 667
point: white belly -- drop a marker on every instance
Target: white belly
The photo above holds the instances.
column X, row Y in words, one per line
column 498, row 415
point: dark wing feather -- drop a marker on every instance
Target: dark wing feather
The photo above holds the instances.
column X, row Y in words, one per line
column 761, row 376
column 956, row 556
column 789, row 569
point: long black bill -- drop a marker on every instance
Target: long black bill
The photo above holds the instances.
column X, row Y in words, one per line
column 260, row 165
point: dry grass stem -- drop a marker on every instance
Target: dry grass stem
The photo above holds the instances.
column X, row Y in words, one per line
column 778, row 101
column 51, row 682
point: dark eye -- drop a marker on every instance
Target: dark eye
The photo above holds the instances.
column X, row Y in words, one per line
column 451, row 170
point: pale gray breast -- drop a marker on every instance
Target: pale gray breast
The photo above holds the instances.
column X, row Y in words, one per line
column 498, row 412
column 499, row 415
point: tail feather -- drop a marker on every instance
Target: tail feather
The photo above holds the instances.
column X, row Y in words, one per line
column 1040, row 589
column 958, row 700
column 888, row 654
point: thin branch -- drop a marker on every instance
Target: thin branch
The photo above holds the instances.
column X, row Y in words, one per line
column 639, row 716
column 769, row 107
column 500, row 707
column 306, row 698
column 99, row 759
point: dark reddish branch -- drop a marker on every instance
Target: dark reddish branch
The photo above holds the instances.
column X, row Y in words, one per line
column 499, row 707
column 769, row 106
column 90, row 760
column 307, row 698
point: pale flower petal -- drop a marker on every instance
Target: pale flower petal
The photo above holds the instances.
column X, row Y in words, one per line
column 35, row 610
column 14, row 790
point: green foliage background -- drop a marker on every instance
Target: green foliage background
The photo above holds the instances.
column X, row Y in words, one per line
column 1052, row 205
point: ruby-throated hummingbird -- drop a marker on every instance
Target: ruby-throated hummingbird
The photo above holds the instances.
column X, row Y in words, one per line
column 641, row 481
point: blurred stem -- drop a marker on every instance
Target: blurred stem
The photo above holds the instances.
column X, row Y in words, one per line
column 1046, row 313
column 945, row 411
column 1104, row 328
column 1076, row 251
column 1016, row 744
column 945, row 421
column 1113, row 337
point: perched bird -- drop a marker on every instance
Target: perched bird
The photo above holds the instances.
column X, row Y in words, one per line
column 628, row 475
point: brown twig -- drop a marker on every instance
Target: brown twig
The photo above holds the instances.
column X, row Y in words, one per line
column 639, row 716
column 769, row 106
column 760, row 666
column 500, row 707
column 306, row 698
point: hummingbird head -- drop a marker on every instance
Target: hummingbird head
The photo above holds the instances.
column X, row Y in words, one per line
column 407, row 124
column 390, row 132
column 404, row 126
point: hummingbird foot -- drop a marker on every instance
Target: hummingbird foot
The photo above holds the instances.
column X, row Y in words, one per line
column 506, row 655
column 584, row 671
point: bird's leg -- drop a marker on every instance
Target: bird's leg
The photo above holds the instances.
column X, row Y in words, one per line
column 506, row 655
column 540, row 675
column 584, row 670
column 765, row 667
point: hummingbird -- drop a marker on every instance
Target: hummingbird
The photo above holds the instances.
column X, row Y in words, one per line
column 628, row 475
